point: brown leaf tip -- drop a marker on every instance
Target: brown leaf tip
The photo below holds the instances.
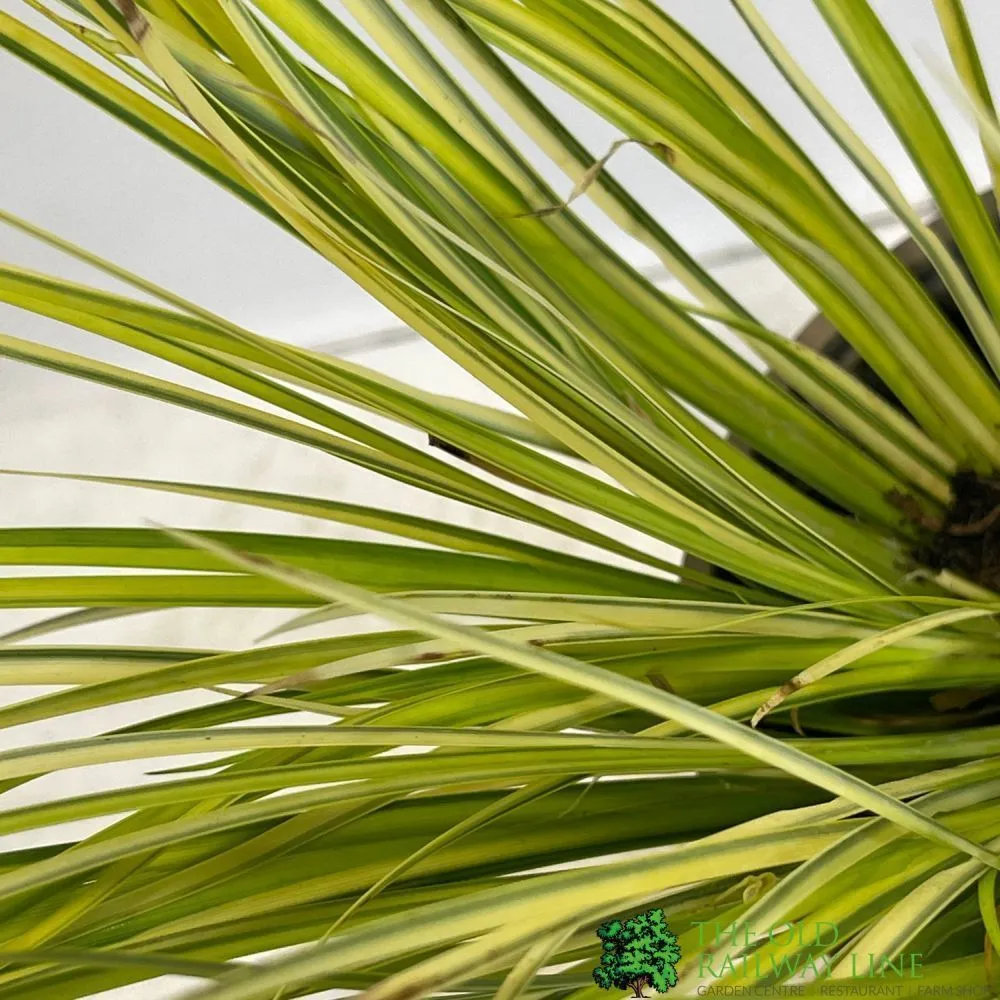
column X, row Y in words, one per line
column 665, row 152
column 135, row 20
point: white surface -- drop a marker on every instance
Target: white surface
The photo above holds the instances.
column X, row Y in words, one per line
column 69, row 167
column 68, row 425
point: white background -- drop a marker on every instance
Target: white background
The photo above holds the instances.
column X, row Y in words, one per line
column 71, row 168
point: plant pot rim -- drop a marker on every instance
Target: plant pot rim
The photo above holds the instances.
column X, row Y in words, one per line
column 823, row 337
column 819, row 331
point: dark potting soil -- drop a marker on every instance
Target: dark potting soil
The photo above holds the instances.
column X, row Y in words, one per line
column 968, row 542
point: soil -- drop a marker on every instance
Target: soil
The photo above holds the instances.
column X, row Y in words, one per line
column 968, row 542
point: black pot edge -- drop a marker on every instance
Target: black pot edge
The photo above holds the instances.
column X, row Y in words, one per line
column 822, row 336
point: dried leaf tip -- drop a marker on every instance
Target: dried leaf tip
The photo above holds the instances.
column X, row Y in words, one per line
column 135, row 20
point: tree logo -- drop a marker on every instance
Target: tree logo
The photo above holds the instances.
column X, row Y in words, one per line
column 638, row 952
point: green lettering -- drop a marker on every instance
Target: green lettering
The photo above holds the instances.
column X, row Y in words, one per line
column 784, row 964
